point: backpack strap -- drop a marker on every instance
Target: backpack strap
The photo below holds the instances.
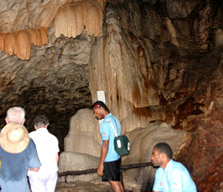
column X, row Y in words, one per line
column 116, row 135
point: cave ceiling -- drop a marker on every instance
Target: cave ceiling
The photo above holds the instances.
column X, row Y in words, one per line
column 45, row 49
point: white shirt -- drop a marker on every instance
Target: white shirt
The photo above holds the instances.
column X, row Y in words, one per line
column 47, row 148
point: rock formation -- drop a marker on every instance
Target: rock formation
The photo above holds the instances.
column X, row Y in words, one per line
column 19, row 42
column 72, row 18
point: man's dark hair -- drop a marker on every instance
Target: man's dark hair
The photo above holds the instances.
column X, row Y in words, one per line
column 164, row 148
column 40, row 120
column 98, row 104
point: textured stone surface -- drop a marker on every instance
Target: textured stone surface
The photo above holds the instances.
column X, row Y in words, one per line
column 17, row 15
column 83, row 187
column 167, row 71
column 70, row 161
column 83, row 136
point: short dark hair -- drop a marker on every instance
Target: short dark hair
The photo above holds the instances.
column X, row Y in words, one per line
column 164, row 148
column 41, row 120
column 100, row 104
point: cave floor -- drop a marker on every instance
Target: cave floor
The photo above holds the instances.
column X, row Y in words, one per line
column 82, row 187
column 85, row 187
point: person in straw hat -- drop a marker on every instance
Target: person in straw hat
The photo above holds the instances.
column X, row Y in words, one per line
column 18, row 153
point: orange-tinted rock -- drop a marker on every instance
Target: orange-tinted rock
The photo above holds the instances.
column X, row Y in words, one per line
column 2, row 41
column 10, row 44
column 32, row 35
column 19, row 42
column 23, row 45
column 72, row 18
column 204, row 156
column 38, row 36
column 93, row 21
column 44, row 35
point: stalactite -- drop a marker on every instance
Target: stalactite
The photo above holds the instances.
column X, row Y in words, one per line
column 32, row 34
column 2, row 42
column 38, row 38
column 72, row 18
column 19, row 42
column 10, row 44
column 23, row 45
column 44, row 35
column 93, row 21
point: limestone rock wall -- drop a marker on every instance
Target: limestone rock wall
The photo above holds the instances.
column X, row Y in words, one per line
column 164, row 64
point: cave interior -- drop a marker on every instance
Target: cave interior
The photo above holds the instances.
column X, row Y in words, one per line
column 156, row 61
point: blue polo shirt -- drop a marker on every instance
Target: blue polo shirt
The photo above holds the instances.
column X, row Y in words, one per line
column 174, row 178
column 107, row 133
column 14, row 167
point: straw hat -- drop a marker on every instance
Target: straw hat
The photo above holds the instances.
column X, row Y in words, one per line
column 14, row 138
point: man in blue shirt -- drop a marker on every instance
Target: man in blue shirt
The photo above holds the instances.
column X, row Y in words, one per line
column 110, row 161
column 171, row 176
column 17, row 153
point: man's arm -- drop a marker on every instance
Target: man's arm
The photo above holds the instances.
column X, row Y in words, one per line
column 104, row 151
column 34, row 162
column 158, row 183
column 34, row 169
column 57, row 158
